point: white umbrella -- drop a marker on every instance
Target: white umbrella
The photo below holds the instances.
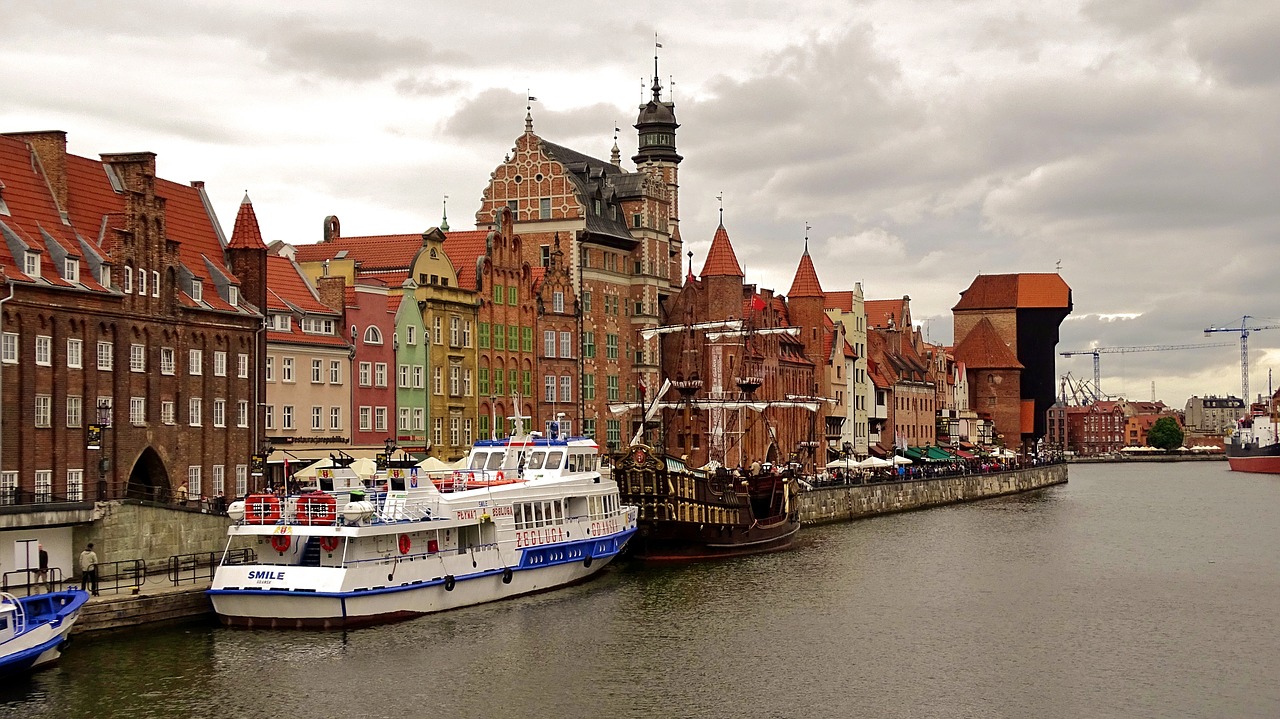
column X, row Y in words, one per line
column 900, row 460
column 842, row 464
column 431, row 464
column 309, row 472
column 874, row 463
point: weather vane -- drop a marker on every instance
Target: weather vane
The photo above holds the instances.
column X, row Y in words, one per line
column 807, row 227
column 720, row 199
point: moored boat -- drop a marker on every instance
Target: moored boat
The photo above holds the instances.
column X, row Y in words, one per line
column 526, row 514
column 34, row 629
column 1254, row 446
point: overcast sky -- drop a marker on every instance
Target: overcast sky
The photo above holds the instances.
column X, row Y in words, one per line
column 1134, row 142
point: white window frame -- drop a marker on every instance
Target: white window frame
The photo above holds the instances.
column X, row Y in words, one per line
column 402, row 419
column 43, row 410
column 9, row 348
column 379, row 419
column 195, row 410
column 75, row 485
column 286, row 417
column 219, row 363
column 317, row 371
column 242, row 479
column 142, row 282
column 75, row 410
column 379, row 374
column 335, row 372
column 219, row 479
column 286, row 369
column 548, row 343
column 195, row 362
column 366, row 374
column 75, row 353
column 106, row 356
column 44, row 350
column 335, row 418
column 168, row 412
column 219, row 413
column 317, row 418
column 242, row 413
column 168, row 361
column 155, row 283
column 44, row 485
column 138, row 411
column 194, row 477
column 366, row 419
column 242, row 365
column 137, row 358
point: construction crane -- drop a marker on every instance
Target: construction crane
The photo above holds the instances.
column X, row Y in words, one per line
column 1097, row 351
column 1244, row 329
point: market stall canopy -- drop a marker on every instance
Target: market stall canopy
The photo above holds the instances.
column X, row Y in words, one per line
column 874, row 463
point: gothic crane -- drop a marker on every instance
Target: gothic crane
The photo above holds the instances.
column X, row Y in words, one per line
column 1244, row 329
column 1096, row 351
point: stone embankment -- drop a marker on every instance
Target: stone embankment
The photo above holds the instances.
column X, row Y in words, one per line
column 841, row 504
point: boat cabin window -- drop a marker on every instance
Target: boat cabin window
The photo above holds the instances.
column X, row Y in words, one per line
column 538, row 520
column 553, row 459
column 326, row 484
column 495, row 461
column 478, row 459
column 572, row 464
column 535, row 460
column 397, row 484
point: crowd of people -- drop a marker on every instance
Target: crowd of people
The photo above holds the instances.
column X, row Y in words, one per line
column 930, row 470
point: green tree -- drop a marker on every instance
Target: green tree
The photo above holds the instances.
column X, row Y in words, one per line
column 1165, row 434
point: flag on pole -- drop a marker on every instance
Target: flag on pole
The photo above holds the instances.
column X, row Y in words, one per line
column 657, row 44
column 532, row 98
column 757, row 303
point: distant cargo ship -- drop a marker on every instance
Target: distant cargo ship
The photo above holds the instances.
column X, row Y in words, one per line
column 1254, row 446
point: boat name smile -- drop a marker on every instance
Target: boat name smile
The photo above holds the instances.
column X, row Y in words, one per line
column 534, row 537
column 260, row 574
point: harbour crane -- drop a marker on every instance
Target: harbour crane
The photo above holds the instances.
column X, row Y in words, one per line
column 1244, row 329
column 1097, row 351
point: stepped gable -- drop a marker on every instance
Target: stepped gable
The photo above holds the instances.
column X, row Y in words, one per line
column 1025, row 290
column 465, row 248
column 805, row 283
column 721, row 260
column 982, row 348
column 246, row 234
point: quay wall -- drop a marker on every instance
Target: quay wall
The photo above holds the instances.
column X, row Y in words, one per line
column 841, row 504
column 123, row 611
column 134, row 530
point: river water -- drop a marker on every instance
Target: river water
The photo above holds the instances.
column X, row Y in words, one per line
column 1134, row 591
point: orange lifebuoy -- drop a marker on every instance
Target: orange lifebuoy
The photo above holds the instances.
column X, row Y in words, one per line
column 328, row 544
column 405, row 544
column 317, row 508
column 501, row 476
column 280, row 542
column 261, row 509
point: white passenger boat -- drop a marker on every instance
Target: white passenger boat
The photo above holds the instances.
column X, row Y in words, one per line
column 34, row 629
column 528, row 514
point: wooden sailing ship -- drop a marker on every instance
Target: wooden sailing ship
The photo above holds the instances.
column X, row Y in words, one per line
column 734, row 503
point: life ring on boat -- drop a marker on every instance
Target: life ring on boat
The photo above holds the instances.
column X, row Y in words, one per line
column 317, row 508
column 328, row 544
column 280, row 542
column 405, row 544
column 506, row 575
column 261, row 509
column 500, row 477
column 448, row 582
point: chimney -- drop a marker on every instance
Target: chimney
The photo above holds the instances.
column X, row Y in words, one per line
column 333, row 291
column 50, row 147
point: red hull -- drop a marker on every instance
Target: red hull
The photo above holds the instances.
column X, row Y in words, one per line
column 1261, row 464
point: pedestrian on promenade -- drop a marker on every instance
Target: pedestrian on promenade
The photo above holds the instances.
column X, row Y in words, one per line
column 42, row 571
column 89, row 569
column 182, row 493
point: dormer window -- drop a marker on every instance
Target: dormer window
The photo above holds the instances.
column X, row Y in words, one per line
column 197, row 290
column 4, row 209
column 71, row 270
column 233, row 296
column 31, row 263
column 105, row 274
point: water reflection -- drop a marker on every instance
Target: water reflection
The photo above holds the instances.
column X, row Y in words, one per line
column 1132, row 591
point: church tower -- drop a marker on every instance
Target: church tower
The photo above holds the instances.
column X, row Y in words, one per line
column 657, row 154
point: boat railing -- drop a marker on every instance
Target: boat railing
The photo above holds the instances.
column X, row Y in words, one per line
column 19, row 613
column 415, row 556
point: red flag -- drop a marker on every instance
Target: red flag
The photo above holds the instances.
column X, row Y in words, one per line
column 757, row 304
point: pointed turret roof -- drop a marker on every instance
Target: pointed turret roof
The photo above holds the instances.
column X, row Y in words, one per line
column 806, row 282
column 721, row 261
column 246, row 234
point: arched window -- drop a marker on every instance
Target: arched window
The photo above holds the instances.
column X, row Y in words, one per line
column 372, row 336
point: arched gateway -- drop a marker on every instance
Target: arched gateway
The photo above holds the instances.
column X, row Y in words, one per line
column 149, row 479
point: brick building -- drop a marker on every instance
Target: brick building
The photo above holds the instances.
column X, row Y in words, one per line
column 559, row 354
column 1213, row 416
column 124, row 308
column 621, row 241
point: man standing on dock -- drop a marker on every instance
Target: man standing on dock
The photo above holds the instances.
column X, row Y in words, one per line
column 89, row 569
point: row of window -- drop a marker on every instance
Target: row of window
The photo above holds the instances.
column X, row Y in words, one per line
column 74, row 415
column 105, row 359
column 511, row 338
column 287, row 373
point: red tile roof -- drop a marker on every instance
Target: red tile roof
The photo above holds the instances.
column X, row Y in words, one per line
column 839, row 300
column 246, row 233
column 982, row 348
column 32, row 208
column 806, row 282
column 288, row 289
column 464, row 247
column 388, row 256
column 721, row 261
column 880, row 312
column 1025, row 290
